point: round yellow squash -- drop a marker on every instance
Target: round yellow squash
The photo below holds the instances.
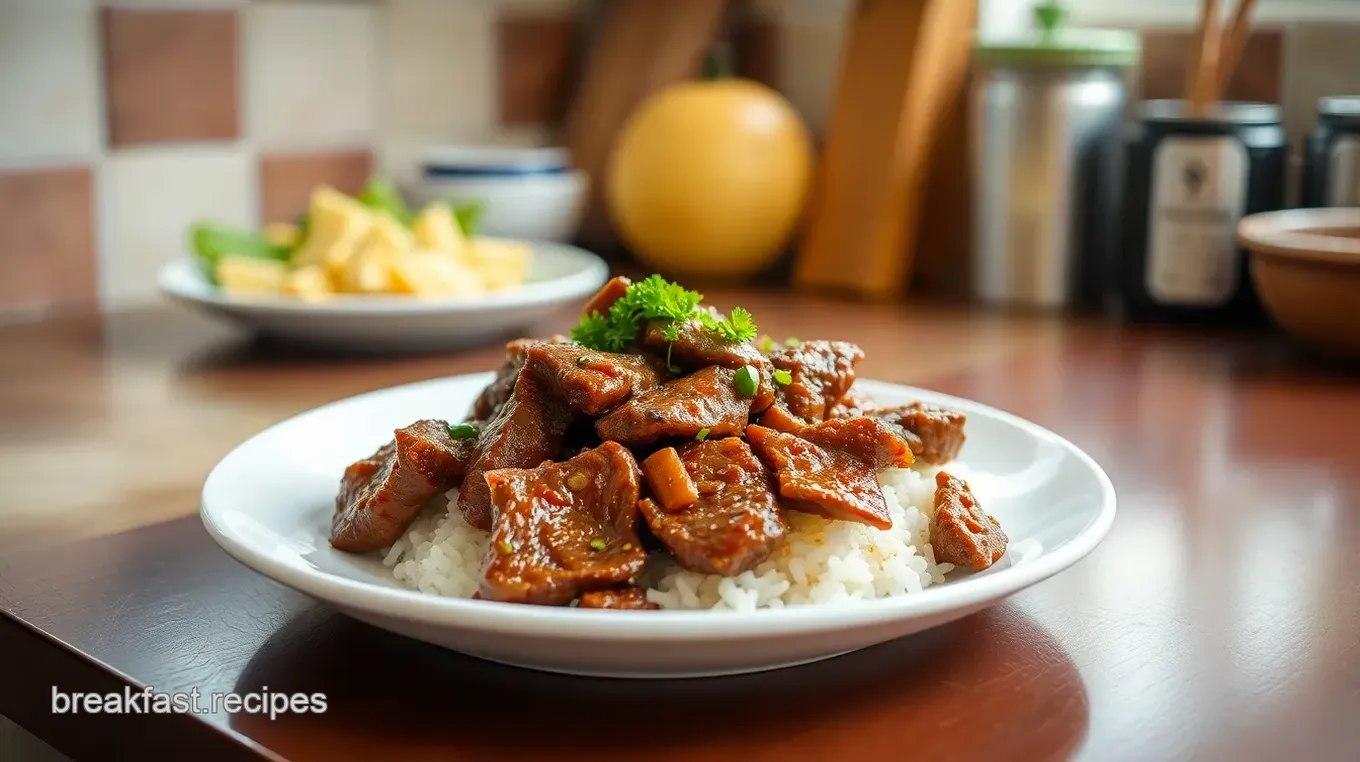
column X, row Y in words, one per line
column 709, row 178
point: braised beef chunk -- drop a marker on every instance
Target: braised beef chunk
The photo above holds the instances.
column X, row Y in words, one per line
column 934, row 433
column 852, row 405
column 962, row 534
column 529, row 429
column 503, row 385
column 866, row 439
column 593, row 382
column 563, row 529
column 697, row 347
column 498, row 392
column 819, row 373
column 708, row 400
column 831, row 469
column 606, row 296
column 381, row 495
column 734, row 524
column 627, row 598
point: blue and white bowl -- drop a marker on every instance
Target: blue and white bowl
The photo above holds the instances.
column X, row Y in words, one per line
column 492, row 161
column 529, row 193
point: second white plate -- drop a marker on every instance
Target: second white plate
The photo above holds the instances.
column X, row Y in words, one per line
column 560, row 274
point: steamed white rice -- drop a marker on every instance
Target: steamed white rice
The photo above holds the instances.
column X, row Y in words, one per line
column 821, row 561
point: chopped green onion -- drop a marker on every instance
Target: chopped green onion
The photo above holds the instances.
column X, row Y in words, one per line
column 783, row 377
column 463, row 431
column 767, row 346
column 505, row 548
column 598, row 543
column 701, row 436
column 628, row 546
column 748, row 381
column 582, row 360
column 792, row 341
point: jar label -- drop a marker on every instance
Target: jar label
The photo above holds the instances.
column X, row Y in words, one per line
column 1343, row 187
column 1199, row 190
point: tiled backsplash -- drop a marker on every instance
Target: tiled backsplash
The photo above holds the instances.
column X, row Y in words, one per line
column 123, row 122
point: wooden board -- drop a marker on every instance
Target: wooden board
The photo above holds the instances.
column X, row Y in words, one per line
column 904, row 65
column 944, row 241
column 643, row 46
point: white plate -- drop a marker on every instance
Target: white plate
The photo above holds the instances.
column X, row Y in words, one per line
column 269, row 503
column 559, row 274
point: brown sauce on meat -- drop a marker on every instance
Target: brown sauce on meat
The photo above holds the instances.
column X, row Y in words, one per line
column 529, row 429
column 734, row 524
column 831, row 469
column 681, row 408
column 382, row 494
column 625, row 599
column 962, row 533
column 934, row 433
column 605, row 297
column 564, row 529
column 819, row 373
column 696, row 348
column 593, row 382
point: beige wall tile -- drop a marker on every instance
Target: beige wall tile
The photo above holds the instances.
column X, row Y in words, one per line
column 537, row 68
column 49, row 82
column 47, row 255
column 438, row 61
column 170, row 75
column 150, row 198
column 311, row 75
column 398, row 157
column 287, row 180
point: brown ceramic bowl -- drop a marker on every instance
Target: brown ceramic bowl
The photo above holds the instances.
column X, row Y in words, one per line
column 1306, row 266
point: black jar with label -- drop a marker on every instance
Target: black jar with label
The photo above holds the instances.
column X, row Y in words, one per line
column 1331, row 163
column 1188, row 182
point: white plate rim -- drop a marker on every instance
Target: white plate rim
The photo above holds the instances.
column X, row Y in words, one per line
column 519, row 619
column 591, row 272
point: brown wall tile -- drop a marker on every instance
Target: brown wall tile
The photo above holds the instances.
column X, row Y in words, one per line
column 756, row 49
column 1166, row 60
column 537, row 69
column 171, row 75
column 47, row 238
column 287, row 180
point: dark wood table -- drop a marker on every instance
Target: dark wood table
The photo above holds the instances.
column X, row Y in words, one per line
column 1218, row 621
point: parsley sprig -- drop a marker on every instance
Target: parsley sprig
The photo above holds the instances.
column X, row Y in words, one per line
column 655, row 298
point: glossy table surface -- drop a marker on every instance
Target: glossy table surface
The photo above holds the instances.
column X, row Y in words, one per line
column 1218, row 621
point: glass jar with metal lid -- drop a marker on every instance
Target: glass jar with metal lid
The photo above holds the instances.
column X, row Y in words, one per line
column 1047, row 109
column 1189, row 180
column 1331, row 168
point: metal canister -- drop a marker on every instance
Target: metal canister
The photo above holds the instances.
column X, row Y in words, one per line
column 1047, row 110
column 1331, row 164
column 1189, row 181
